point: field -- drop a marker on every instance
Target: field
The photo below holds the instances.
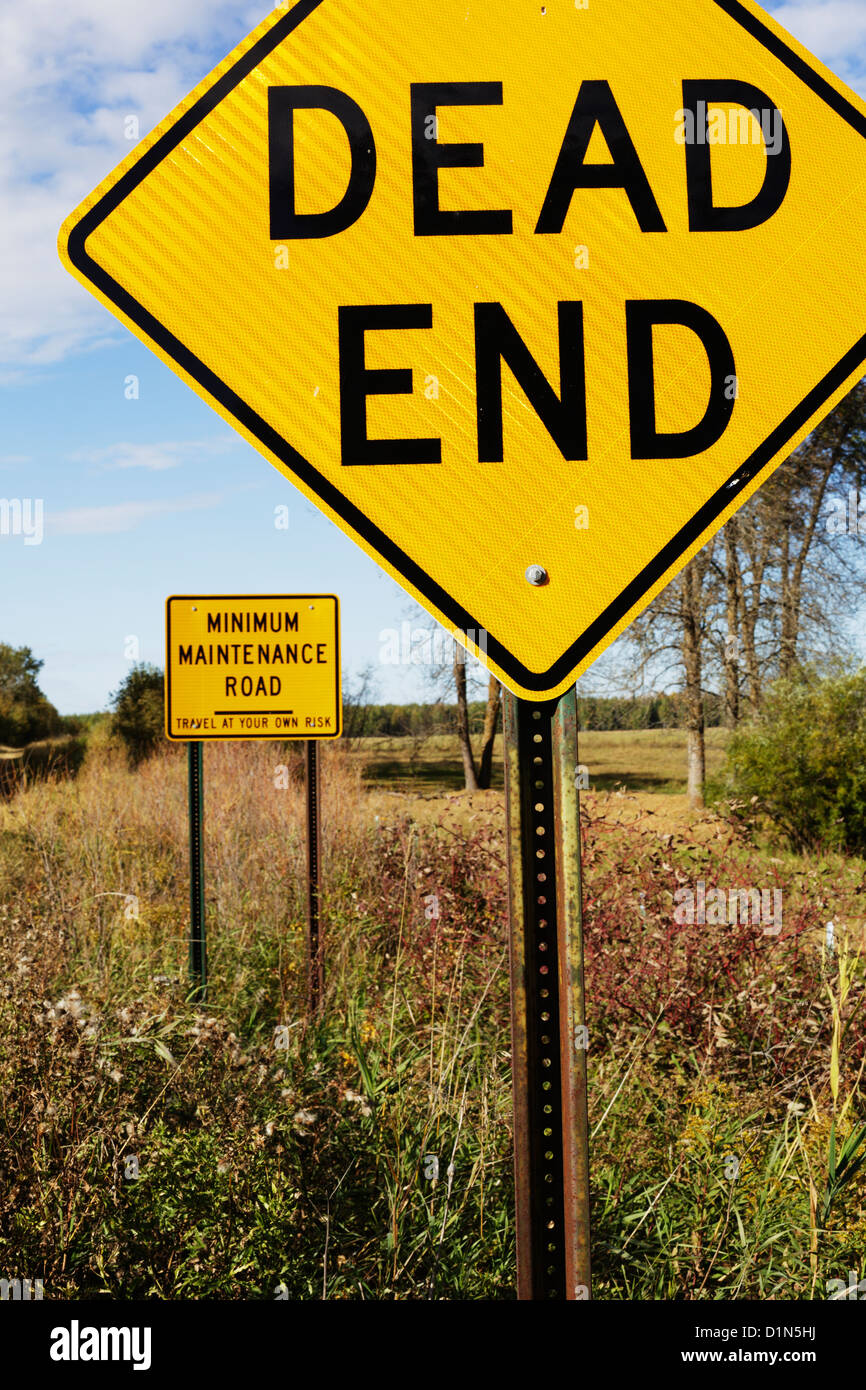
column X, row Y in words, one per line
column 643, row 760
column 150, row 1148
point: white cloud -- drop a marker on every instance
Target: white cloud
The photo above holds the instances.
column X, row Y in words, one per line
column 834, row 30
column 830, row 28
column 124, row 516
column 72, row 71
column 155, row 457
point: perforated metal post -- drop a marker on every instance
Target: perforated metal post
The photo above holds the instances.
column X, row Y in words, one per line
column 315, row 944
column 551, row 1158
column 197, row 945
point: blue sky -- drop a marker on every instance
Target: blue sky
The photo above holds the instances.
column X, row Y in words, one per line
column 149, row 496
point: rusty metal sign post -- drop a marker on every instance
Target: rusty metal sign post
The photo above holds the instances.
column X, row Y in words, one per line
column 549, row 1038
column 315, row 941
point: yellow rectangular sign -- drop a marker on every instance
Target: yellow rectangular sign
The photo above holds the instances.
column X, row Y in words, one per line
column 252, row 666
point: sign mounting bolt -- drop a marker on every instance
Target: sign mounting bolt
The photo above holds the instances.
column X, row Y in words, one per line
column 537, row 575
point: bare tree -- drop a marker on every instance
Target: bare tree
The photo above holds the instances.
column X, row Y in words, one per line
column 469, row 772
column 789, row 577
column 455, row 678
column 476, row 777
column 733, row 606
column 488, row 736
column 357, row 696
column 670, row 640
column 767, row 595
column 692, row 616
column 832, row 458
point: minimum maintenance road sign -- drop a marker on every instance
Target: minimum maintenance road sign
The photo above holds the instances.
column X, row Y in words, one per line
column 265, row 666
column 529, row 299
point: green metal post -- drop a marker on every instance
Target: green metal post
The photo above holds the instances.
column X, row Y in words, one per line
column 315, row 941
column 197, row 945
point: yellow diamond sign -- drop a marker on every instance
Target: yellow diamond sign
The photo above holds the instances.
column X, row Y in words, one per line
column 527, row 298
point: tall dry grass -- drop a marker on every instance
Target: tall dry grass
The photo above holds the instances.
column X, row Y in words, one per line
column 366, row 1154
column 361, row 1154
column 105, row 859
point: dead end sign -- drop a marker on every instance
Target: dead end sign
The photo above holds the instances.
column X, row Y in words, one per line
column 252, row 667
column 528, row 299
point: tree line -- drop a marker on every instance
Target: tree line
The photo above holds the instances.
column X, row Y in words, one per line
column 597, row 713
